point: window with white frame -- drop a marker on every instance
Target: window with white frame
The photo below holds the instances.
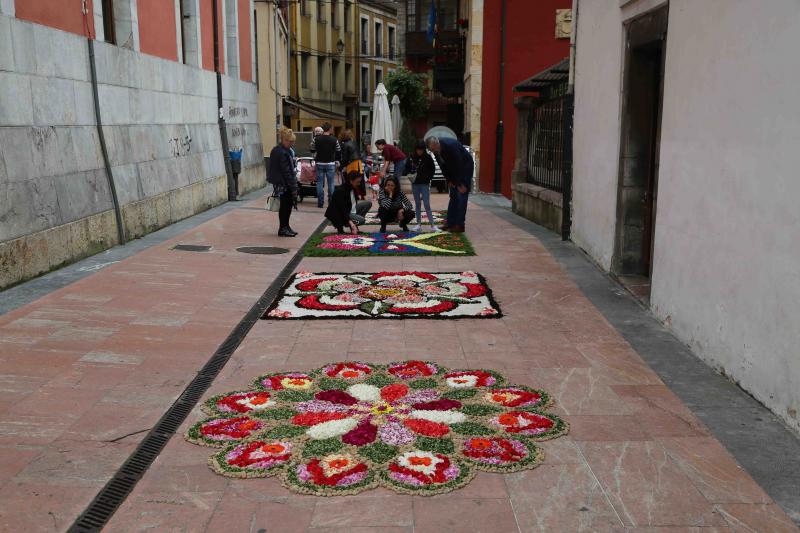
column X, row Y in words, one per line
column 364, row 36
column 378, row 76
column 365, row 85
column 392, row 44
column 320, row 73
column 378, row 39
column 304, row 71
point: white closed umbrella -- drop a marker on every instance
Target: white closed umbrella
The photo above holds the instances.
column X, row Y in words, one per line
column 381, row 116
column 397, row 118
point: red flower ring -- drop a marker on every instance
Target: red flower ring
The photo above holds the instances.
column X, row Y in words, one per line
column 411, row 426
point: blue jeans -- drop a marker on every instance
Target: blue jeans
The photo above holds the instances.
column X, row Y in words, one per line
column 422, row 195
column 457, row 208
column 324, row 170
column 399, row 166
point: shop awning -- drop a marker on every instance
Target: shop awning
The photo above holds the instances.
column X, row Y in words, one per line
column 558, row 73
column 313, row 110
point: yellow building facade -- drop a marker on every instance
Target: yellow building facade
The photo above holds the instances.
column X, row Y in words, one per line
column 272, row 69
column 323, row 64
column 377, row 38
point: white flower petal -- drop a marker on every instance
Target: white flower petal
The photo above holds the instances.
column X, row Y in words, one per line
column 332, row 428
column 444, row 417
column 462, row 382
column 364, row 392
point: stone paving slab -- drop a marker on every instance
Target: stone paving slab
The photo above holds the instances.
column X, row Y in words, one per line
column 87, row 369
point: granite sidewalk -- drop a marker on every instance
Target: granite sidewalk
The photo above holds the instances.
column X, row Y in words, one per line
column 88, row 369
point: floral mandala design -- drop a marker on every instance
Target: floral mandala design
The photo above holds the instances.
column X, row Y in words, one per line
column 414, row 427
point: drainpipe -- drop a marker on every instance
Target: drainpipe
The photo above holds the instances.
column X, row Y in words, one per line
column 223, row 132
column 103, row 148
column 277, row 84
column 498, row 163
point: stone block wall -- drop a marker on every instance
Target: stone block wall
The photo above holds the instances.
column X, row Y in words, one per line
column 160, row 125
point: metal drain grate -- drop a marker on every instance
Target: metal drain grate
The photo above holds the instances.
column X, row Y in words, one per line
column 119, row 487
column 192, row 247
column 262, row 250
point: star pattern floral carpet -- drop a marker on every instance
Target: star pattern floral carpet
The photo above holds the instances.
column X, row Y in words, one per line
column 384, row 295
column 413, row 427
column 438, row 218
column 400, row 243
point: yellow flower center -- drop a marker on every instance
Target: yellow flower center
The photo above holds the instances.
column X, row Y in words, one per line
column 382, row 409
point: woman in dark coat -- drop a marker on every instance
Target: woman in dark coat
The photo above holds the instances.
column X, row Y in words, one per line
column 282, row 175
column 345, row 209
column 394, row 205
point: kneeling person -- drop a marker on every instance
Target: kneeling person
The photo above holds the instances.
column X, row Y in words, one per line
column 344, row 210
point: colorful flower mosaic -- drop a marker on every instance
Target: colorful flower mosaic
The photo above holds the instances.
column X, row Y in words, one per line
column 414, row 427
column 400, row 243
column 384, row 295
column 439, row 218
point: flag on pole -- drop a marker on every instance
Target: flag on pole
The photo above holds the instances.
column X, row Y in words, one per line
column 432, row 26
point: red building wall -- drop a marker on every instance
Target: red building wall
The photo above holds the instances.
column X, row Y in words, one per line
column 157, row 28
column 245, row 46
column 530, row 47
column 64, row 15
column 207, row 34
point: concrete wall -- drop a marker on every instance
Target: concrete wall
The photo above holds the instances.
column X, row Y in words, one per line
column 161, row 129
column 727, row 230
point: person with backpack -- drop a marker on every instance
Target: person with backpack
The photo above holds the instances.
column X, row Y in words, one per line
column 327, row 152
column 282, row 174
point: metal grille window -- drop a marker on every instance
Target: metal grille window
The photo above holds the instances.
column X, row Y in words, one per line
column 546, row 143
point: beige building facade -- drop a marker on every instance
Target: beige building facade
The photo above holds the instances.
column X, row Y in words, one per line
column 473, row 77
column 378, row 37
column 272, row 69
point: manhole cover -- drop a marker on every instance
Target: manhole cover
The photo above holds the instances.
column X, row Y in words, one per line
column 262, row 250
column 192, row 247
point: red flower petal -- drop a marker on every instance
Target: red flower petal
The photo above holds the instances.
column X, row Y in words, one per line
column 312, row 284
column 441, row 307
column 423, row 275
column 426, row 427
column 474, row 290
column 312, row 302
column 336, row 396
column 364, row 433
column 438, row 405
column 392, row 393
column 312, row 419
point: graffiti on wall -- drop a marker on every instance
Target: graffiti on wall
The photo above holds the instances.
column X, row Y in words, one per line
column 180, row 146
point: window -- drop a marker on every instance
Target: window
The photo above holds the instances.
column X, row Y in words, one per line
column 364, row 37
column 378, row 76
column 320, row 72
column 378, row 39
column 320, row 11
column 304, row 71
column 334, row 75
column 392, row 43
column 348, row 71
column 303, row 8
column 108, row 22
column 365, row 84
column 347, row 23
column 411, row 16
column 334, row 9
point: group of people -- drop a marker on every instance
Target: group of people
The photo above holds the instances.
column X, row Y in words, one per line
column 347, row 206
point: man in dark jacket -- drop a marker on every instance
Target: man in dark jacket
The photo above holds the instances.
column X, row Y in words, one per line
column 327, row 153
column 458, row 168
column 344, row 210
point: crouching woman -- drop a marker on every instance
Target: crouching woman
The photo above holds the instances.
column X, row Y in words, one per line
column 344, row 210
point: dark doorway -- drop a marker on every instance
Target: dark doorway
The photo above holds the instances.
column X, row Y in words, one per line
column 109, row 34
column 639, row 148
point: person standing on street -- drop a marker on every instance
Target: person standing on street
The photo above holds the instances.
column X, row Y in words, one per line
column 458, row 168
column 351, row 161
column 326, row 150
column 420, row 168
column 282, row 175
column 391, row 154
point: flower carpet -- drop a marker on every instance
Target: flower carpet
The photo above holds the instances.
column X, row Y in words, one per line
column 413, row 427
column 384, row 295
column 439, row 218
column 401, row 243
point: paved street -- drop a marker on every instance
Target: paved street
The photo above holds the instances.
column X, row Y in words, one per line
column 89, row 368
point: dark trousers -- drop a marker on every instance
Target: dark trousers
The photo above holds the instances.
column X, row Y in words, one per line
column 389, row 216
column 457, row 208
column 362, row 208
column 287, row 203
